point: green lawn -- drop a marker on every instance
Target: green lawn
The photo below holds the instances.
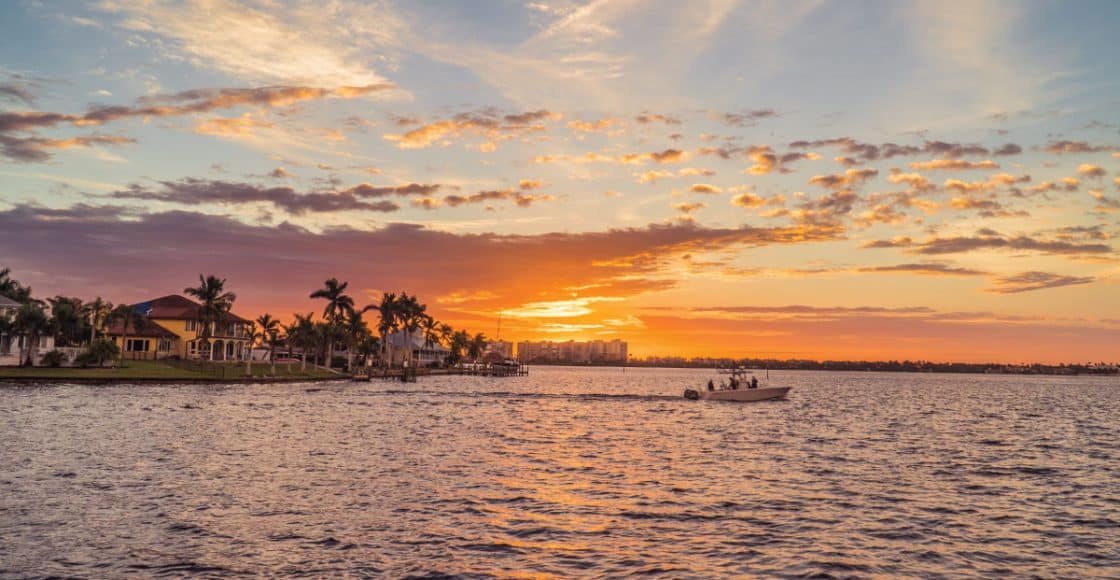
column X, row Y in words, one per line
column 158, row 370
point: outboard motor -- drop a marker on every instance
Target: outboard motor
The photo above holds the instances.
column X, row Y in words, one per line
column 692, row 394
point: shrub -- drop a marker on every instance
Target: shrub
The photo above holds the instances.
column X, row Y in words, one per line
column 85, row 359
column 53, row 359
column 97, row 353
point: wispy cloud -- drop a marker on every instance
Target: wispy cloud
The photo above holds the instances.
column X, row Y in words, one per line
column 300, row 43
column 1031, row 281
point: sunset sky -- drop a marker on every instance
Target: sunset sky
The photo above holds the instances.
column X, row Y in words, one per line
column 812, row 179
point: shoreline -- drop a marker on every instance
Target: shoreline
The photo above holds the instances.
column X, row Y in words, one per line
column 40, row 380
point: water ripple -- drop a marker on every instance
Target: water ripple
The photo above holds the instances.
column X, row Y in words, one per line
column 566, row 472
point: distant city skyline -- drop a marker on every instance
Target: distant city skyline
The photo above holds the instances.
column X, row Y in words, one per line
column 573, row 351
column 803, row 179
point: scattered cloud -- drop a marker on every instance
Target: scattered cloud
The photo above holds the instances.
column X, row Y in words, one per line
column 1091, row 171
column 167, row 105
column 192, row 191
column 705, row 188
column 651, row 118
column 850, row 178
column 1065, row 147
column 487, row 123
column 1031, row 281
column 746, row 118
column 871, row 152
column 924, row 269
column 953, row 164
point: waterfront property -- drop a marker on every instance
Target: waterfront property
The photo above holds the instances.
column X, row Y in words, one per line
column 170, row 326
column 423, row 354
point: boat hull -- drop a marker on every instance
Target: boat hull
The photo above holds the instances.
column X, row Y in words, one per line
column 745, row 395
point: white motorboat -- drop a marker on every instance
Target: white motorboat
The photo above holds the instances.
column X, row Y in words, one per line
column 742, row 395
column 737, row 389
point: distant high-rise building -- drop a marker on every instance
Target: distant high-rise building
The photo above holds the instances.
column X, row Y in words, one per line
column 502, row 347
column 595, row 351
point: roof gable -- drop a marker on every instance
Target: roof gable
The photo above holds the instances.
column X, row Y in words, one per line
column 143, row 328
column 176, row 307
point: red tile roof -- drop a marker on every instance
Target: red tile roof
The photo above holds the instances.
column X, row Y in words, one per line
column 143, row 328
column 175, row 307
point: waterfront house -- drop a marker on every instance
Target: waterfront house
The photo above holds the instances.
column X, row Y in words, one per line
column 171, row 327
column 423, row 355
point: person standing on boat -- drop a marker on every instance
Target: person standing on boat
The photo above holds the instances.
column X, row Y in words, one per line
column 711, row 385
column 754, row 382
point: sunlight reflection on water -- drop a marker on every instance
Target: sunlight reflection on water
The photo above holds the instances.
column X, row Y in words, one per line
column 564, row 472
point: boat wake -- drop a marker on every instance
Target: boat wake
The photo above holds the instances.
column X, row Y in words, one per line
column 521, row 395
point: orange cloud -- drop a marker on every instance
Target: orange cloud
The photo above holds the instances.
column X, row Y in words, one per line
column 748, row 200
column 487, row 124
column 914, row 180
column 1031, row 281
column 1092, row 171
column 704, row 188
column 600, row 126
column 849, row 178
column 954, row 164
column 242, row 126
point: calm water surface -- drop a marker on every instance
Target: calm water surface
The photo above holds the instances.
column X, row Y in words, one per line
column 566, row 472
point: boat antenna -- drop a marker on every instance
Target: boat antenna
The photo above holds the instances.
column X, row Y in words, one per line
column 499, row 336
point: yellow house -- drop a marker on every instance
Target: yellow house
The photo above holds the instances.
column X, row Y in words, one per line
column 171, row 327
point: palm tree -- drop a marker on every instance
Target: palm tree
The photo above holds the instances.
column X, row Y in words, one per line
column 369, row 346
column 322, row 337
column 129, row 317
column 477, row 345
column 389, row 310
column 96, row 311
column 355, row 330
column 301, row 333
column 431, row 331
column 254, row 336
column 269, row 329
column 31, row 322
column 460, row 341
column 445, row 331
column 412, row 317
column 337, row 308
column 11, row 287
column 215, row 303
column 69, row 323
column 275, row 340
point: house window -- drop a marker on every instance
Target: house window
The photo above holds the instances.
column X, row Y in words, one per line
column 192, row 325
column 164, row 345
column 137, row 345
